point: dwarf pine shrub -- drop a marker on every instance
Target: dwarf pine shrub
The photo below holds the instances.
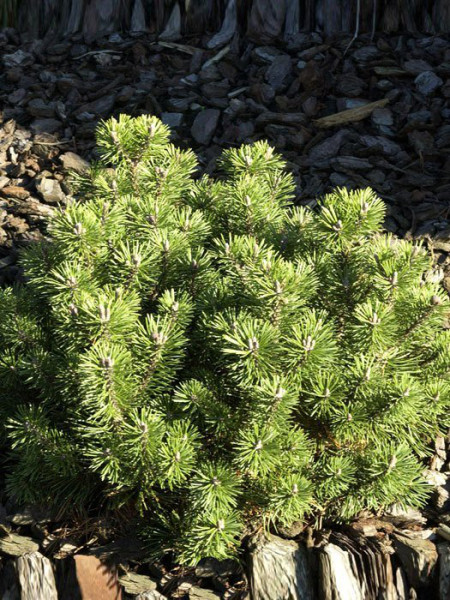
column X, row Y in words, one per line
column 215, row 357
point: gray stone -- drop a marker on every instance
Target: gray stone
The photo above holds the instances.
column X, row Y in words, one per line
column 197, row 593
column 267, row 53
column 428, row 82
column 418, row 557
column 387, row 146
column 382, row 117
column 18, row 59
column 205, row 125
column 73, row 162
column 351, row 163
column 153, row 595
column 133, row 583
column 101, row 107
column 38, row 108
column 417, row 66
column 50, row 190
column 278, row 71
column 172, row 119
column 17, row 545
column 329, row 147
column 366, row 54
column 45, row 126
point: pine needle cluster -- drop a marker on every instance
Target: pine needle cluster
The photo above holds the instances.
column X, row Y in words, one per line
column 217, row 358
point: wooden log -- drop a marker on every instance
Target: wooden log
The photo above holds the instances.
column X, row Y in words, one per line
column 280, row 570
column 352, row 115
column 444, row 571
column 266, row 20
column 338, row 580
column 36, row 578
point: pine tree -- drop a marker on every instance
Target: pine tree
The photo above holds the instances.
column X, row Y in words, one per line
column 215, row 357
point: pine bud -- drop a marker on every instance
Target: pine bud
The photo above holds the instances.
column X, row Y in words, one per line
column 227, row 248
column 436, row 301
column 253, row 344
column 105, row 313
column 368, row 373
column 216, row 482
column 248, row 160
column 258, row 446
column 436, row 397
column 407, row 392
column 269, row 153
column 349, row 417
column 327, row 393
column 114, row 185
column 143, row 427
column 71, row 282
column 394, row 279
column 220, row 524
column 194, row 265
column 175, row 307
column 392, row 463
column 365, row 208
column 338, row 225
column 266, row 265
column 166, row 246
column 114, row 137
column 151, row 219
column 248, row 201
column 136, row 260
column 107, row 362
column 78, row 229
column 278, row 287
column 161, row 172
column 295, row 489
column 339, row 472
column 375, row 319
column 280, row 393
column 308, row 344
column 177, row 457
column 73, row 310
column 152, row 130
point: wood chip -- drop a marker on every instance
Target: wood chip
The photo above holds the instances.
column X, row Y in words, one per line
column 350, row 116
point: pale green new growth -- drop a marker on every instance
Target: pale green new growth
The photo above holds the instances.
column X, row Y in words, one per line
column 215, row 357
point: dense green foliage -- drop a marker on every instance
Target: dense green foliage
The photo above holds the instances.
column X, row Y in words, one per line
column 215, row 357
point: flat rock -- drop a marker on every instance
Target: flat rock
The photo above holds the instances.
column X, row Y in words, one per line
column 101, row 107
column 15, row 191
column 17, row 545
column 50, row 190
column 134, row 583
column 387, row 146
column 418, row 556
column 45, row 126
column 205, row 125
column 18, row 59
column 73, row 162
column 329, row 147
column 197, row 593
column 279, row 71
column 428, row 82
column 417, row 66
column 38, row 108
